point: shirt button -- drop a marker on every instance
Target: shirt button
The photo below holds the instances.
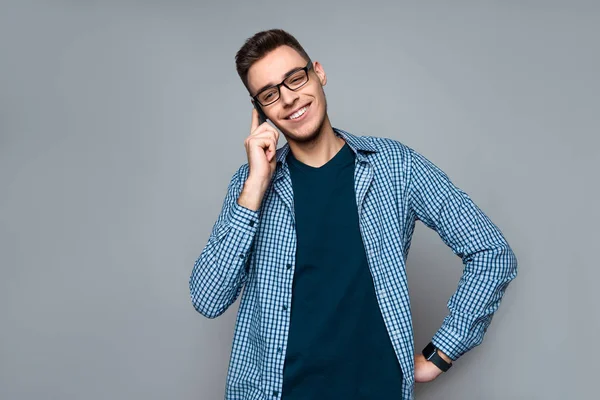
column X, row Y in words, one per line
column 284, row 308
column 275, row 393
column 241, row 255
column 288, row 266
column 279, row 349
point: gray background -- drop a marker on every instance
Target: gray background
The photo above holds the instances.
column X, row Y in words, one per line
column 122, row 122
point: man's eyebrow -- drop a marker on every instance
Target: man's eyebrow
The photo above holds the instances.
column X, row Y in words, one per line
column 290, row 72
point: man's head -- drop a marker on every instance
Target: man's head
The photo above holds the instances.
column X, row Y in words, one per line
column 265, row 60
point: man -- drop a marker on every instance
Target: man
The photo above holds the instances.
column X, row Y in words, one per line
column 318, row 231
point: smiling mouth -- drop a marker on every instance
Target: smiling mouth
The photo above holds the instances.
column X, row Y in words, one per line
column 299, row 114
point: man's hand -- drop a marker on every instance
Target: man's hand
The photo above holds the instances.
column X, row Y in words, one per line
column 261, row 149
column 426, row 371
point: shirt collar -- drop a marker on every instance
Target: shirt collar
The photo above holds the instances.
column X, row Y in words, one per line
column 356, row 143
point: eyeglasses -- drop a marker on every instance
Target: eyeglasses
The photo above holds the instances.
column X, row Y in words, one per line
column 294, row 81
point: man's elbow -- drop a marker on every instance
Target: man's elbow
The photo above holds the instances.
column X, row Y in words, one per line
column 514, row 264
column 206, row 304
column 510, row 263
column 206, row 309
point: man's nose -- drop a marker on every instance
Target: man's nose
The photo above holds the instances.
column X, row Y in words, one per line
column 287, row 96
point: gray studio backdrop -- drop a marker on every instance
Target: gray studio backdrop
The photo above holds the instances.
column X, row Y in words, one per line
column 122, row 122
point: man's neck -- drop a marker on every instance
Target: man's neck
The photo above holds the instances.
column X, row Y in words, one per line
column 318, row 152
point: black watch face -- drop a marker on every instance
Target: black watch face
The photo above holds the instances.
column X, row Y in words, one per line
column 429, row 351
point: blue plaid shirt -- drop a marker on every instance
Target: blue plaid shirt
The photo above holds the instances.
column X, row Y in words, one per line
column 394, row 186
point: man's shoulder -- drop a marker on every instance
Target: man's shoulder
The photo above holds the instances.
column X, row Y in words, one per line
column 389, row 148
column 386, row 143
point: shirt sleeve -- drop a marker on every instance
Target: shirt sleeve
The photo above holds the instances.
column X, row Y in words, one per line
column 221, row 270
column 489, row 262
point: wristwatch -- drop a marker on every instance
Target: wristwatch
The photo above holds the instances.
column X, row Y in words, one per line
column 430, row 353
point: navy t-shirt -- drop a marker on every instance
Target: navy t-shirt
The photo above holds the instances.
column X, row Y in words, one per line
column 338, row 345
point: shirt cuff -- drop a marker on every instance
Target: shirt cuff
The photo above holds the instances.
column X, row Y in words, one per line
column 449, row 342
column 243, row 218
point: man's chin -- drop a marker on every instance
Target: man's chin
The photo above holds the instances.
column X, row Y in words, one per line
column 303, row 134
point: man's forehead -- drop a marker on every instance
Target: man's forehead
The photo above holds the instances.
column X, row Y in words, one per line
column 272, row 68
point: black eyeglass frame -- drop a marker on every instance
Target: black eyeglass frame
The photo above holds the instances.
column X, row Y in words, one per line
column 278, row 86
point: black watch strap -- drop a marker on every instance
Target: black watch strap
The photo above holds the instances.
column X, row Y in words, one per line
column 430, row 353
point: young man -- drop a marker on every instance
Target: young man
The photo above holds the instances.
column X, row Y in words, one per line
column 318, row 232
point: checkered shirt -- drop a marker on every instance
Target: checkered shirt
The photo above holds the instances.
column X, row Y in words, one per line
column 395, row 186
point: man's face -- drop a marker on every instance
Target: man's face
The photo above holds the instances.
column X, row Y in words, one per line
column 272, row 69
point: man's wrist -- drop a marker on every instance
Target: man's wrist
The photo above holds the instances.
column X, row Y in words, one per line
column 437, row 357
column 444, row 356
column 252, row 194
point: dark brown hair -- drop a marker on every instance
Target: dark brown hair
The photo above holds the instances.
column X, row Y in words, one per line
column 259, row 45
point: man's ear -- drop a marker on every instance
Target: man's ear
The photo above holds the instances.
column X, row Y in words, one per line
column 318, row 68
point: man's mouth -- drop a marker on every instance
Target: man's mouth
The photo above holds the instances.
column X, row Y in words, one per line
column 298, row 113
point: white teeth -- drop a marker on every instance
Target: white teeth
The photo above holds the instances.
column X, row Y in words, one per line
column 298, row 113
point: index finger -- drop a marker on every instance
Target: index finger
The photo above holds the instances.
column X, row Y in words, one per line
column 254, row 124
